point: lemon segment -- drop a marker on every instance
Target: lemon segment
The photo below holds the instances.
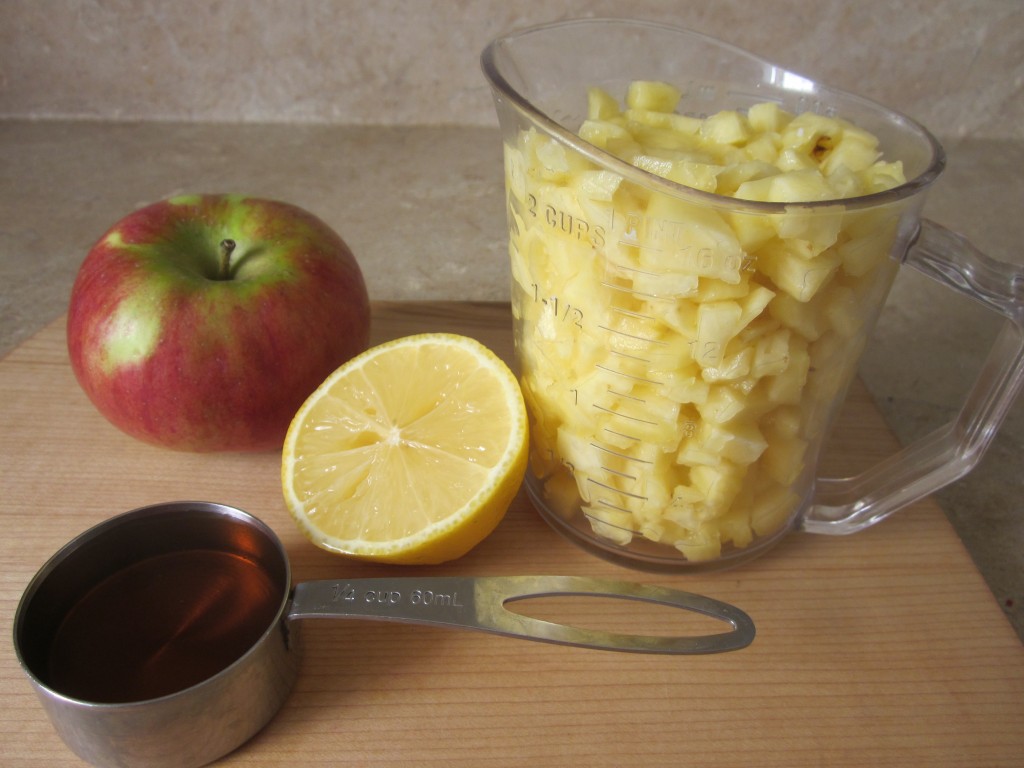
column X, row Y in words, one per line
column 409, row 453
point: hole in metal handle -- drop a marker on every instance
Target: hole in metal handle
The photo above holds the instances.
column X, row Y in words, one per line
column 494, row 596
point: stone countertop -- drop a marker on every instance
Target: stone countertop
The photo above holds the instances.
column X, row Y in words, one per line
column 422, row 208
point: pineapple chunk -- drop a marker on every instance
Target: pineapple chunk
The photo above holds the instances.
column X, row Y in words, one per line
column 882, row 176
column 685, row 388
column 754, row 304
column 601, row 105
column 684, row 124
column 717, row 323
column 719, row 484
column 772, row 509
column 735, row 366
column 741, row 442
column 819, row 228
column 752, row 231
column 727, row 127
column 705, row 543
column 554, row 159
column 783, row 459
column 771, row 354
column 801, row 185
column 602, row 132
column 804, row 317
column 675, row 129
column 765, row 148
column 768, row 117
column 713, row 289
column 611, row 524
column 784, row 421
column 723, row 404
column 735, row 527
column 786, row 387
column 789, row 266
column 652, row 95
column 731, row 177
column 695, row 174
column 870, row 238
column 812, row 134
column 561, row 494
column 855, row 151
column 597, row 185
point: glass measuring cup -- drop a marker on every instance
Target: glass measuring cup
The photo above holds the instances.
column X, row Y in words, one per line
column 167, row 636
column 683, row 352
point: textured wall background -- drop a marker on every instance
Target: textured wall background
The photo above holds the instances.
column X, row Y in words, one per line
column 956, row 65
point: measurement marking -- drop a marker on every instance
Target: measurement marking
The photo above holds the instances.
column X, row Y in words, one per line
column 625, row 416
column 624, row 456
column 627, row 375
column 618, row 472
column 634, row 242
column 631, row 237
column 622, row 434
column 625, row 394
column 630, row 291
column 631, row 313
column 630, row 357
column 603, row 503
column 615, row 287
column 637, row 270
column 638, row 337
column 616, row 490
column 616, row 507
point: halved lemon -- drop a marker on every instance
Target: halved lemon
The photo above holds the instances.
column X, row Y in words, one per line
column 408, row 453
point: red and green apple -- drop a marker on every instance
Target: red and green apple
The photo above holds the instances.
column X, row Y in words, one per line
column 203, row 322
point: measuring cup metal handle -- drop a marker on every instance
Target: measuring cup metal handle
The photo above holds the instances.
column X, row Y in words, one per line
column 479, row 603
column 950, row 452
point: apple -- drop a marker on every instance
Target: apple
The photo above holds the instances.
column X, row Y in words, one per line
column 203, row 322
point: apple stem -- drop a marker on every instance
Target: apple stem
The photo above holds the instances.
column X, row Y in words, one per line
column 227, row 247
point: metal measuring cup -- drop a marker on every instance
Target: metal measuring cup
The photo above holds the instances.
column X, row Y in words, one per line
column 168, row 635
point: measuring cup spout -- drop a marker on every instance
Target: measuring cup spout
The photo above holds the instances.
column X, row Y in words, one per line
column 479, row 604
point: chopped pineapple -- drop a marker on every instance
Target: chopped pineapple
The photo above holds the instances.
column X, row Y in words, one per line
column 601, row 105
column 768, row 117
column 652, row 95
column 679, row 358
column 727, row 127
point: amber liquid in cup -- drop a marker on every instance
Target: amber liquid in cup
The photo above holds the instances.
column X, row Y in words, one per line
column 162, row 625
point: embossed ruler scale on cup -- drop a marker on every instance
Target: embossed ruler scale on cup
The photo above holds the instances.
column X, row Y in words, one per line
column 630, row 378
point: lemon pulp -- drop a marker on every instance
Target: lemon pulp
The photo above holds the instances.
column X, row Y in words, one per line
column 409, row 453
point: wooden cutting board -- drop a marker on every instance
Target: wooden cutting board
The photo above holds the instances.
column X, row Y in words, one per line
column 884, row 648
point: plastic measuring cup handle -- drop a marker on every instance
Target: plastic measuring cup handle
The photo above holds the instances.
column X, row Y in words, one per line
column 950, row 452
column 479, row 603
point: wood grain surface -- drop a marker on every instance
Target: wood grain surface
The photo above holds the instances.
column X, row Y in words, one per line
column 884, row 648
